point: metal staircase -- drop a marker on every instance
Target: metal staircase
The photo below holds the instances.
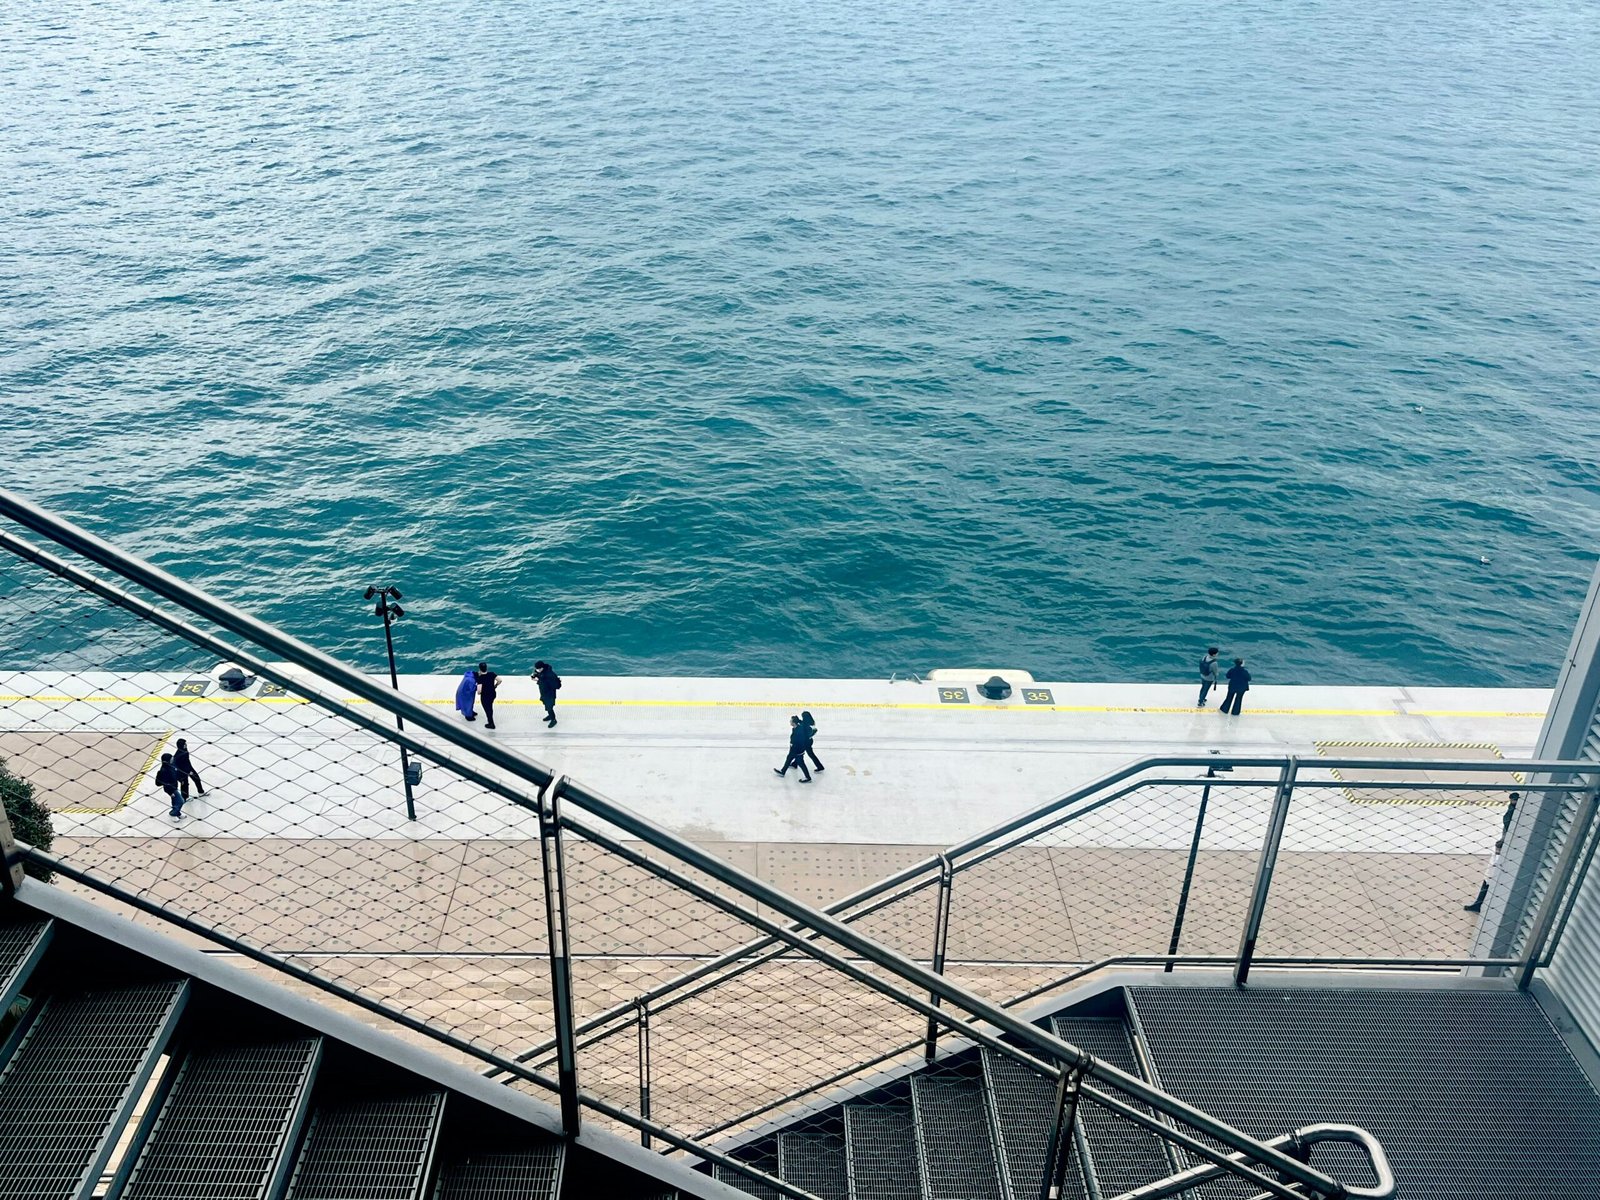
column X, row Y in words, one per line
column 124, row 1076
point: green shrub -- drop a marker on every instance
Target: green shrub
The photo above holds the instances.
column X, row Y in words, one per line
column 30, row 820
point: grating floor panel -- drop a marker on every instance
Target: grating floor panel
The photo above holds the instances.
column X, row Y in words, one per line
column 372, row 1151
column 1023, row 1103
column 816, row 1162
column 953, row 1134
column 736, row 1179
column 881, row 1150
column 71, row 1080
column 1471, row 1093
column 226, row 1122
column 1122, row 1155
column 517, row 1175
column 18, row 941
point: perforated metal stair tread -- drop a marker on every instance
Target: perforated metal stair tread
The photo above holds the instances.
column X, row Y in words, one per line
column 376, row 1150
column 953, row 1136
column 224, row 1128
column 734, row 1178
column 1121, row 1155
column 881, row 1151
column 1459, row 1086
column 21, row 942
column 69, row 1087
column 530, row 1174
column 816, row 1162
column 1023, row 1105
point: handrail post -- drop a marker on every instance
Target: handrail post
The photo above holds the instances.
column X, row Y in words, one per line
column 1058, row 1152
column 644, row 1071
column 553, row 862
column 941, row 938
column 1264, row 869
column 1560, row 878
column 1188, row 869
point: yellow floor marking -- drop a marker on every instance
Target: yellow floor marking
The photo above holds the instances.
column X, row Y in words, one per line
column 827, row 704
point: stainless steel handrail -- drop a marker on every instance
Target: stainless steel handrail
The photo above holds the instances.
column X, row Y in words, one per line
column 916, row 979
column 1301, row 1141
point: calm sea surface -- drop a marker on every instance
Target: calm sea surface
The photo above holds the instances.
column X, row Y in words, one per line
column 824, row 338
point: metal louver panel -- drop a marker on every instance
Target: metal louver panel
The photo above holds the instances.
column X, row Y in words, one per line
column 954, row 1138
column 519, row 1175
column 224, row 1128
column 22, row 943
column 377, row 1150
column 881, row 1149
column 71, row 1085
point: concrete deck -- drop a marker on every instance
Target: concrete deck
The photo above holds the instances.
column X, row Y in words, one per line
column 301, row 845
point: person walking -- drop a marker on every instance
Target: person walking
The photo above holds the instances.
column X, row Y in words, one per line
column 1238, row 685
column 799, row 736
column 1208, row 674
column 1505, row 819
column 810, row 723
column 466, row 694
column 488, row 686
column 1488, row 876
column 185, row 769
column 549, row 684
column 167, row 781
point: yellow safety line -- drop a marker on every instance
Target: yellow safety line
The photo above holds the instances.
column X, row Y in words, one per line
column 133, row 786
column 825, row 704
column 1379, row 786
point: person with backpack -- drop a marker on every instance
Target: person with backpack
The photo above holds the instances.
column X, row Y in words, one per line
column 167, row 781
column 1208, row 674
column 549, row 684
column 810, row 723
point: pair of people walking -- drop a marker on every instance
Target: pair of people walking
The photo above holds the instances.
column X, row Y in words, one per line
column 482, row 684
column 1210, row 676
column 802, row 738
column 175, row 774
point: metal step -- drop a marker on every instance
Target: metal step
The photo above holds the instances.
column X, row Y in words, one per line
column 224, row 1129
column 1022, row 1105
column 1121, row 1155
column 374, row 1150
column 954, row 1138
column 72, row 1083
column 816, row 1162
column 22, row 945
column 881, row 1152
column 532, row 1174
column 736, row 1179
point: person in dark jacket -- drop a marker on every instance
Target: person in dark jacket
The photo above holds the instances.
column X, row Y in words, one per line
column 799, row 738
column 185, row 769
column 167, row 781
column 810, row 723
column 488, row 686
column 549, row 683
column 1238, row 685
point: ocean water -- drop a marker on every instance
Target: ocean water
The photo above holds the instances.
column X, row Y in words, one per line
column 827, row 338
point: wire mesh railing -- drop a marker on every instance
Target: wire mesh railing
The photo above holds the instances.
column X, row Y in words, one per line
column 516, row 907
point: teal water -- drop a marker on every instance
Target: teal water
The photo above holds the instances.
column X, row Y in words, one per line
column 831, row 338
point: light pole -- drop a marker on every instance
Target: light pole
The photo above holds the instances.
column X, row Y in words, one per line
column 392, row 612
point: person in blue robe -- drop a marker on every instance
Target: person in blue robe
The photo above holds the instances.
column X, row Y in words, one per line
column 466, row 694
